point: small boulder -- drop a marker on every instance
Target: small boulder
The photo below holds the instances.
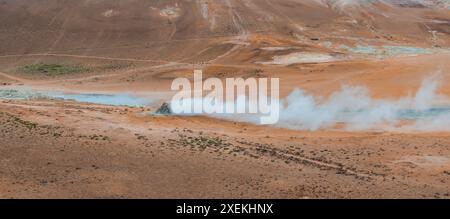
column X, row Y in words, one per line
column 164, row 109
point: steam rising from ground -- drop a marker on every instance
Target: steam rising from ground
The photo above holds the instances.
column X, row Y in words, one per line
column 353, row 109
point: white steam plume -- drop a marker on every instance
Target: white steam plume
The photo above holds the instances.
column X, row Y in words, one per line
column 353, row 109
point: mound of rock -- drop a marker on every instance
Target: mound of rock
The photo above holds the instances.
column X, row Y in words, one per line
column 164, row 109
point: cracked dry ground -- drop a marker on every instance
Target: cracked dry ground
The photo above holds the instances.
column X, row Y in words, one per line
column 51, row 149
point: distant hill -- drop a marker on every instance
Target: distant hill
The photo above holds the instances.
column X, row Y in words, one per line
column 177, row 29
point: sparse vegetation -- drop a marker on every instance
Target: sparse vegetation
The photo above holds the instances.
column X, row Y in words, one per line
column 52, row 69
column 17, row 120
column 113, row 66
column 203, row 143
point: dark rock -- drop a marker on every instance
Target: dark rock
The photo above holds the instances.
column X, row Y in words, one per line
column 164, row 109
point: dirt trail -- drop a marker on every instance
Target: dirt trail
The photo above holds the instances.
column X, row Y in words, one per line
column 128, row 59
column 14, row 78
column 89, row 57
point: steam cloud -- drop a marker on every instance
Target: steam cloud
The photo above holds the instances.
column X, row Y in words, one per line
column 352, row 109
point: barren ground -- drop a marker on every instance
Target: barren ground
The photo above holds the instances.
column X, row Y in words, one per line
column 67, row 149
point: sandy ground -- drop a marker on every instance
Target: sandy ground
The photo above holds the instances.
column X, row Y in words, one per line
column 54, row 149
column 67, row 149
column 71, row 150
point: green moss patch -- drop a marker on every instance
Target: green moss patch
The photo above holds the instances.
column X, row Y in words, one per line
column 52, row 69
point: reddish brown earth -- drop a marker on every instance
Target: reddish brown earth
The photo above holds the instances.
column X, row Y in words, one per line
column 66, row 149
